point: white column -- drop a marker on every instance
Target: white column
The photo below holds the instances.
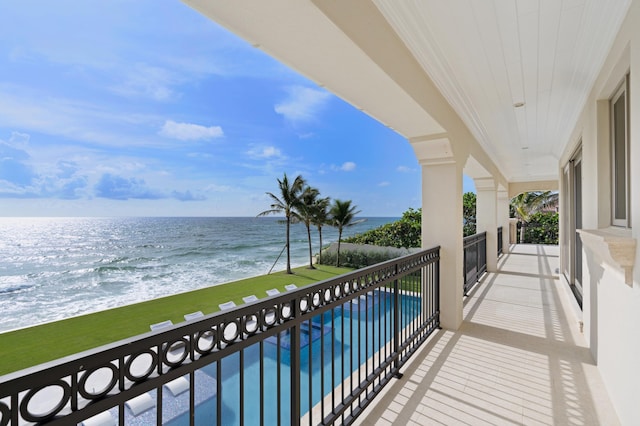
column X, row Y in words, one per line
column 442, row 219
column 486, row 218
column 503, row 218
column 442, row 225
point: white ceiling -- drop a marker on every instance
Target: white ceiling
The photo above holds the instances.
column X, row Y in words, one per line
column 487, row 55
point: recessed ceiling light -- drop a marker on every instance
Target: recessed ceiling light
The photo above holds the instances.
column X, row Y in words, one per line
column 518, row 105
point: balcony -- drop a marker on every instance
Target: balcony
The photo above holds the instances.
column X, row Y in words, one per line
column 519, row 357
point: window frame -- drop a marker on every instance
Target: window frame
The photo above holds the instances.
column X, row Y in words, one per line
column 621, row 90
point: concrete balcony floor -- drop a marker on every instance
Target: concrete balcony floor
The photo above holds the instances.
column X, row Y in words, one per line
column 518, row 358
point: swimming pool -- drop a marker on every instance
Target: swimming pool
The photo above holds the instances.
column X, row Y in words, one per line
column 335, row 353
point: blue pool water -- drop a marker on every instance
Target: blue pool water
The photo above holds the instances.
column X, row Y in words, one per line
column 371, row 318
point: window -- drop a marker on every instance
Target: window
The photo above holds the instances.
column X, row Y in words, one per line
column 620, row 156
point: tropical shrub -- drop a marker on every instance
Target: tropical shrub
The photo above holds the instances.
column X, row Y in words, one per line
column 468, row 214
column 405, row 232
column 542, row 228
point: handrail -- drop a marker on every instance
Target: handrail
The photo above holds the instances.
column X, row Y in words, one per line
column 392, row 307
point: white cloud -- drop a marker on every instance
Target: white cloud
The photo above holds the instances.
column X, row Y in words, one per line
column 303, row 104
column 25, row 108
column 348, row 166
column 265, row 152
column 405, row 169
column 217, row 188
column 385, row 183
column 189, row 131
column 147, row 82
column 19, row 139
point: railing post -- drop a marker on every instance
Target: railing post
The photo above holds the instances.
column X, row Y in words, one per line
column 295, row 374
column 478, row 257
column 396, row 325
column 436, row 283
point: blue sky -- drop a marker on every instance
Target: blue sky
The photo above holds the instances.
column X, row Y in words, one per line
column 145, row 107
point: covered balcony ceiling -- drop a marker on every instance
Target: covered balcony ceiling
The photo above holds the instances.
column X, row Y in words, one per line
column 514, row 75
column 489, row 57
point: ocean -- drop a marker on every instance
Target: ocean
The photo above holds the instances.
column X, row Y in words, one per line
column 55, row 268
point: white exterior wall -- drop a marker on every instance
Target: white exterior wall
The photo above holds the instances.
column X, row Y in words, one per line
column 611, row 303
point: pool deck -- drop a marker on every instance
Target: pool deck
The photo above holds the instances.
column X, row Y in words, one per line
column 518, row 358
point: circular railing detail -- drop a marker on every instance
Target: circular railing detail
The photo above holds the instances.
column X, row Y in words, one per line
column 269, row 316
column 346, row 287
column 337, row 291
column 94, row 374
column 170, row 354
column 43, row 397
column 304, row 304
column 286, row 311
column 230, row 331
column 5, row 414
column 208, row 338
column 327, row 295
column 251, row 324
column 136, row 359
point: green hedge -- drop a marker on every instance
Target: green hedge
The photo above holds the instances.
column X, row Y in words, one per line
column 357, row 258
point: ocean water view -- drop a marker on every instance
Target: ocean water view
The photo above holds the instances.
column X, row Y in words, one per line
column 56, row 268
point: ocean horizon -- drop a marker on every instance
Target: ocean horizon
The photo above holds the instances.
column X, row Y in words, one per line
column 53, row 268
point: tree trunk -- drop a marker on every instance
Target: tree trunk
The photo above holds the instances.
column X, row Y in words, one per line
column 339, row 240
column 288, row 252
column 310, row 250
column 320, row 252
column 522, row 232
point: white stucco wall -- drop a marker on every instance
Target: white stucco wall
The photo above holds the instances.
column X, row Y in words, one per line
column 611, row 304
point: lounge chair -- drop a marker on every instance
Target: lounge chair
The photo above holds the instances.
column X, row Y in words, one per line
column 103, row 419
column 290, row 287
column 193, row 315
column 249, row 299
column 140, row 404
column 226, row 306
column 273, row 292
column 161, row 325
column 177, row 386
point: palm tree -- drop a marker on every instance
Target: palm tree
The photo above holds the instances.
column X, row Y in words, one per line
column 305, row 214
column 342, row 216
column 321, row 218
column 287, row 203
column 527, row 203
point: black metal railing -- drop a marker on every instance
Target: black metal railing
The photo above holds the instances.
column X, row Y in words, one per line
column 318, row 354
column 475, row 259
column 499, row 241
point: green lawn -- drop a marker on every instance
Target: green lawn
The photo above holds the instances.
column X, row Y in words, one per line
column 31, row 346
